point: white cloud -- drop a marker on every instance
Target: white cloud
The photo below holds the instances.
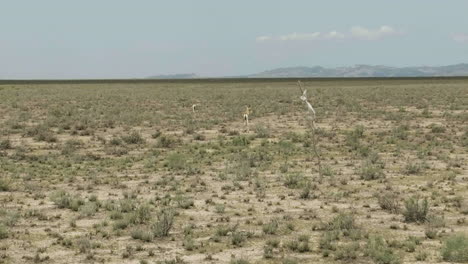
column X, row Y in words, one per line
column 367, row 34
column 356, row 32
column 334, row 35
column 263, row 38
column 460, row 37
column 301, row 36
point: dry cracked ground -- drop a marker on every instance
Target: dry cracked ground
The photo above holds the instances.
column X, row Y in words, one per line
column 128, row 173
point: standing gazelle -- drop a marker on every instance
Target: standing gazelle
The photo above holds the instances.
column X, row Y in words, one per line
column 246, row 116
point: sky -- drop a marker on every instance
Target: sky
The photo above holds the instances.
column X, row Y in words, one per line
column 60, row 39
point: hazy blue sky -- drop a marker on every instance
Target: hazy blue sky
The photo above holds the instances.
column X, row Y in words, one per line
column 126, row 39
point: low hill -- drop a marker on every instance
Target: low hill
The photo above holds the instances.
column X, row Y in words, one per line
column 365, row 71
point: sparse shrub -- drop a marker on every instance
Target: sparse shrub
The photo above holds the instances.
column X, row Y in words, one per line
column 343, row 221
column 242, row 168
column 156, row 134
column 347, row 252
column 3, row 231
column 353, row 137
column 220, row 208
column 401, row 132
column 240, row 141
column 88, row 209
column 413, row 168
column 223, row 230
column 262, row 131
column 184, row 202
column 389, row 202
column 437, row 129
column 126, row 205
column 5, row 144
column 432, row 225
column 306, row 191
column 164, row 223
column 268, row 251
column 144, row 234
column 379, row 251
column 327, row 171
column 121, row 223
column 189, row 243
column 4, row 185
column 271, row 227
column 464, row 139
column 115, row 141
column 289, row 261
column 293, row 180
column 133, row 138
column 177, row 161
column 41, row 133
column 84, row 244
column 64, row 200
column 416, row 210
column 166, row 142
column 300, row 244
column 421, row 256
column 142, row 214
column 70, row 146
column 238, row 238
column 370, row 171
column 431, row 233
column 239, row 261
column 326, row 240
column 199, row 137
column 455, row 248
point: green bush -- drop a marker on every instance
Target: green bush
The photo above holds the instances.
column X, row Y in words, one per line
column 378, row 250
column 189, row 243
column 347, row 252
column 271, row 227
column 371, row 171
column 389, row 202
column 166, row 142
column 240, row 141
column 142, row 214
column 3, row 231
column 455, row 248
column 223, row 230
column 262, row 131
column 4, row 185
column 163, row 225
column 437, row 129
column 88, row 209
column 143, row 234
column 41, row 133
column 177, row 161
column 65, row 200
column 183, row 201
column 239, row 261
column 306, row 191
column 342, row 221
column 299, row 244
column 293, row 180
column 327, row 239
column 413, row 168
column 238, row 238
column 133, row 138
column 5, row 144
column 416, row 210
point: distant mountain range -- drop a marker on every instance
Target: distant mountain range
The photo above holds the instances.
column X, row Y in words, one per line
column 365, row 71
column 352, row 71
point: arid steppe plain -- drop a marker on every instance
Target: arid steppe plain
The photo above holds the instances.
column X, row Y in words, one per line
column 126, row 172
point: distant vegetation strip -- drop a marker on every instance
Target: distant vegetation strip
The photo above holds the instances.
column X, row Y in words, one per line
column 230, row 80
